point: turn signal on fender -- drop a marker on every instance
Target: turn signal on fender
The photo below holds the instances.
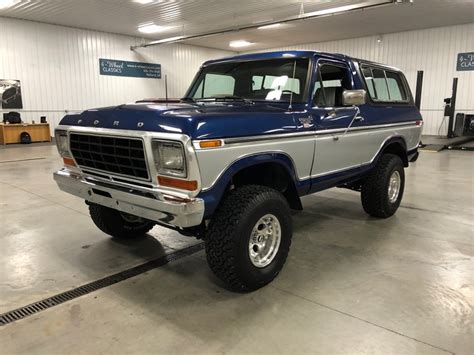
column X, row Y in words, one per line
column 69, row 161
column 178, row 183
column 210, row 144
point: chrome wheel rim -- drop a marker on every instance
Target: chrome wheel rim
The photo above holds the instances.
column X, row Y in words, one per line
column 264, row 241
column 394, row 186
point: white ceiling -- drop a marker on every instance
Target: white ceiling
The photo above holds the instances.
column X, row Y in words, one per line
column 203, row 16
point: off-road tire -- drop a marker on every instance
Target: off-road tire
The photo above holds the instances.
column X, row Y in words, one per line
column 111, row 222
column 227, row 240
column 374, row 194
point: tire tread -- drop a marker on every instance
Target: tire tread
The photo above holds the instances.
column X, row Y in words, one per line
column 374, row 190
column 221, row 241
column 108, row 221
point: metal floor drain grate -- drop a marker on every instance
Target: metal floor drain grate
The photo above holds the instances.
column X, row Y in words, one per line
column 55, row 300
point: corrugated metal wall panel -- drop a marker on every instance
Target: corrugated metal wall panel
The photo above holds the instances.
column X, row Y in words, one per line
column 59, row 67
column 432, row 50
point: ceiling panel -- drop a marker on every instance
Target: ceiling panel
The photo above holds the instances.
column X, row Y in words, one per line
column 375, row 21
column 201, row 16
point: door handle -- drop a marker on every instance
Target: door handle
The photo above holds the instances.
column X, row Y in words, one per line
column 359, row 118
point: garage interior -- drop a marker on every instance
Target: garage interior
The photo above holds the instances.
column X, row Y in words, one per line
column 351, row 283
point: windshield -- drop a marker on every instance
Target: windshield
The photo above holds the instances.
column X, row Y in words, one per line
column 263, row 80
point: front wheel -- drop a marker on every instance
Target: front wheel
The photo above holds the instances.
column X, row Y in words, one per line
column 249, row 237
column 118, row 224
column 382, row 190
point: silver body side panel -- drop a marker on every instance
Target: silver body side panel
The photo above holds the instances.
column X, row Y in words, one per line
column 328, row 151
column 341, row 151
column 213, row 162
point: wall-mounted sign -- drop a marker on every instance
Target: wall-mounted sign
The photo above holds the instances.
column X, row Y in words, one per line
column 465, row 61
column 10, row 94
column 131, row 69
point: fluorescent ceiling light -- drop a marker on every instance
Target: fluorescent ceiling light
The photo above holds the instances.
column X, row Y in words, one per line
column 240, row 43
column 143, row 2
column 5, row 4
column 151, row 28
column 170, row 39
column 269, row 27
column 333, row 10
column 166, row 40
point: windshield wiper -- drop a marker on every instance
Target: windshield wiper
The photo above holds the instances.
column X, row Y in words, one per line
column 226, row 98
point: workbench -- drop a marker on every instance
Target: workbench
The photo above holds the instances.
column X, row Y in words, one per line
column 10, row 133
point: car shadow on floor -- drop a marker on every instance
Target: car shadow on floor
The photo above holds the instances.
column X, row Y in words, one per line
column 318, row 235
column 200, row 282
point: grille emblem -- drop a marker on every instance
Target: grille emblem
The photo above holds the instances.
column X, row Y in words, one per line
column 116, row 123
column 140, row 124
column 96, row 122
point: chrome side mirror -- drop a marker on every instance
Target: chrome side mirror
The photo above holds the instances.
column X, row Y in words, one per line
column 354, row 97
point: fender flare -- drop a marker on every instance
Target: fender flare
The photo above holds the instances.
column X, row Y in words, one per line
column 393, row 141
column 213, row 195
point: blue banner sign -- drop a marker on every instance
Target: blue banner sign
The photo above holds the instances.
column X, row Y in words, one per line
column 130, row 69
column 465, row 61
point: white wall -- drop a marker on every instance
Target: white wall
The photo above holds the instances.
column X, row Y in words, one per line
column 432, row 50
column 59, row 67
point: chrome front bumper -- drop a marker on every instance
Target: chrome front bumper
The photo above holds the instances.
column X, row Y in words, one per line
column 151, row 204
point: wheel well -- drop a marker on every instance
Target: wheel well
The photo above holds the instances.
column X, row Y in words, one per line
column 272, row 175
column 399, row 149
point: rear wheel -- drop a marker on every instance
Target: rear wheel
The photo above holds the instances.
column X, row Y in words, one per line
column 382, row 190
column 249, row 237
column 118, row 224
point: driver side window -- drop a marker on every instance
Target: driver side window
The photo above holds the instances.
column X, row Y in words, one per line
column 331, row 82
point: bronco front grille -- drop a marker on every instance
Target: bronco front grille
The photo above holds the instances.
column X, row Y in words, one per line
column 122, row 156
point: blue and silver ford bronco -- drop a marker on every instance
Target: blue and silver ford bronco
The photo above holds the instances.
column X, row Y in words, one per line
column 227, row 163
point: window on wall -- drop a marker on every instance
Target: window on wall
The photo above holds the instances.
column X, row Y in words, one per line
column 384, row 85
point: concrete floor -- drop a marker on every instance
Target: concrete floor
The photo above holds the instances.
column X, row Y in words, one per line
column 352, row 284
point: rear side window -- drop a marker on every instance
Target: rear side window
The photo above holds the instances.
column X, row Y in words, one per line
column 369, row 80
column 396, row 88
column 381, row 88
column 384, row 85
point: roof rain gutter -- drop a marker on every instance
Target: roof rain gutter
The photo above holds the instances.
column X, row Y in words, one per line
column 309, row 15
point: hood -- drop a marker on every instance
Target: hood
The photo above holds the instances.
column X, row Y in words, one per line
column 199, row 121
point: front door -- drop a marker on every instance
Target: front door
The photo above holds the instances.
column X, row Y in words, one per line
column 337, row 148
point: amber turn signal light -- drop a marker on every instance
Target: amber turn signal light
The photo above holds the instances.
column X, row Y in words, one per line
column 69, row 161
column 178, row 183
column 210, row 144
